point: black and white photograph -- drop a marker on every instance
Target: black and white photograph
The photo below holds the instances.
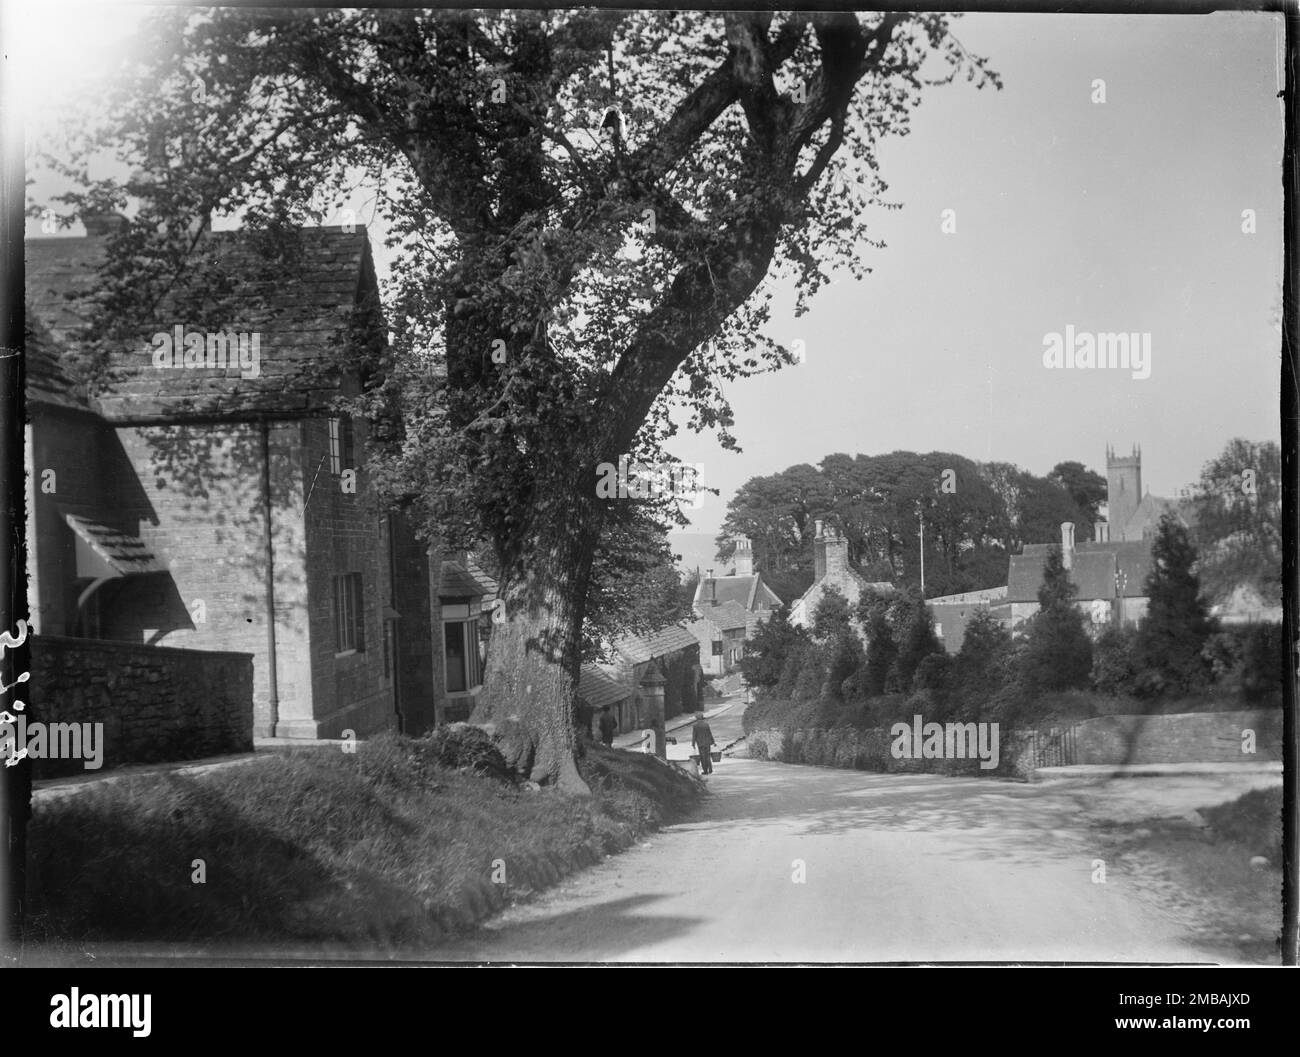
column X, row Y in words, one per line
column 591, row 485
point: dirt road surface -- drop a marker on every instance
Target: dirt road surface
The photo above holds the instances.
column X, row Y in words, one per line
column 795, row 863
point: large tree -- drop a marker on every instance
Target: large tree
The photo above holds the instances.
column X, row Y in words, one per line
column 1171, row 636
column 1237, row 512
column 582, row 208
column 1057, row 652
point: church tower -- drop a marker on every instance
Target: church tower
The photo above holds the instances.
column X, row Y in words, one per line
column 1123, row 489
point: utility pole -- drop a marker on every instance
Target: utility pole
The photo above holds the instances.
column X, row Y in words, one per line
column 920, row 517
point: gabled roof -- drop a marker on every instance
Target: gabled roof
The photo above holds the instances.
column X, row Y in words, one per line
column 637, row 649
column 597, row 688
column 1094, row 570
column 729, row 615
column 300, row 317
column 745, row 590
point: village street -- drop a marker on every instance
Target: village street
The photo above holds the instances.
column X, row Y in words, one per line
column 796, row 863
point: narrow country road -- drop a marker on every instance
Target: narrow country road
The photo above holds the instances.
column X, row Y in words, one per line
column 793, row 863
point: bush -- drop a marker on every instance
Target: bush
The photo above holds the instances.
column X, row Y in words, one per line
column 1253, row 820
column 459, row 746
column 1114, row 663
column 1247, row 660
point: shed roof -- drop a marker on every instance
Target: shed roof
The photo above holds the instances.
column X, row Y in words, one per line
column 597, row 688
column 640, row 648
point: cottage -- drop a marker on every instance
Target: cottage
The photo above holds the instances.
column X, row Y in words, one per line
column 224, row 505
column 831, row 569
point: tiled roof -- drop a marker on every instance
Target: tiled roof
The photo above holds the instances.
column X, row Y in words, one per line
column 1094, row 569
column 640, row 648
column 122, row 552
column 729, row 615
column 455, row 581
column 298, row 317
column 475, row 570
column 597, row 688
column 987, row 594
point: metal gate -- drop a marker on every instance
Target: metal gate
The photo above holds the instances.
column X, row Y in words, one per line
column 1054, row 747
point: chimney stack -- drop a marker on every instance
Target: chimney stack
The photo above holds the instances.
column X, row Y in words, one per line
column 819, row 553
column 1067, row 544
column 837, row 554
column 744, row 557
column 1101, row 531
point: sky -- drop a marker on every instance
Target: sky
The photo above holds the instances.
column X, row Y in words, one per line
column 1117, row 216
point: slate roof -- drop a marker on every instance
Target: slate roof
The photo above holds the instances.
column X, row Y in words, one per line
column 124, row 553
column 741, row 589
column 640, row 648
column 1093, row 573
column 727, row 615
column 455, row 581
column 986, row 594
column 597, row 688
column 298, row 316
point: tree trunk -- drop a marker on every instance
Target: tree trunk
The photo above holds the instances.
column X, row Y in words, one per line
column 530, row 686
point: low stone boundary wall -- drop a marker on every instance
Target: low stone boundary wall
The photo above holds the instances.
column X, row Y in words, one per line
column 1186, row 737
column 156, row 704
column 1189, row 737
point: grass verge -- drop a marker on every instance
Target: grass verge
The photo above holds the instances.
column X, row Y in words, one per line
column 1209, row 869
column 382, row 848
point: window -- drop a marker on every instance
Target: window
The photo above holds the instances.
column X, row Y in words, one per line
column 342, row 455
column 461, row 649
column 717, row 647
column 349, row 625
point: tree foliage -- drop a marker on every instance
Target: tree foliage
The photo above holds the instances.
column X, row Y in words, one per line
column 582, row 209
column 1172, row 635
column 1057, row 652
column 1237, row 512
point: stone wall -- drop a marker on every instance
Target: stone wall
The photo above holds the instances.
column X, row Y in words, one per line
column 1187, row 737
column 1192, row 737
column 156, row 704
column 869, row 750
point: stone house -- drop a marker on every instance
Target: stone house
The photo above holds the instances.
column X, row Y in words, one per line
column 831, row 569
column 721, row 632
column 221, row 504
column 742, row 585
column 1110, row 577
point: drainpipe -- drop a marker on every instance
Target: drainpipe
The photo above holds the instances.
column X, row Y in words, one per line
column 273, row 701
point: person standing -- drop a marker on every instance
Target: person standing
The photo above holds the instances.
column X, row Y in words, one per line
column 702, row 741
column 607, row 724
